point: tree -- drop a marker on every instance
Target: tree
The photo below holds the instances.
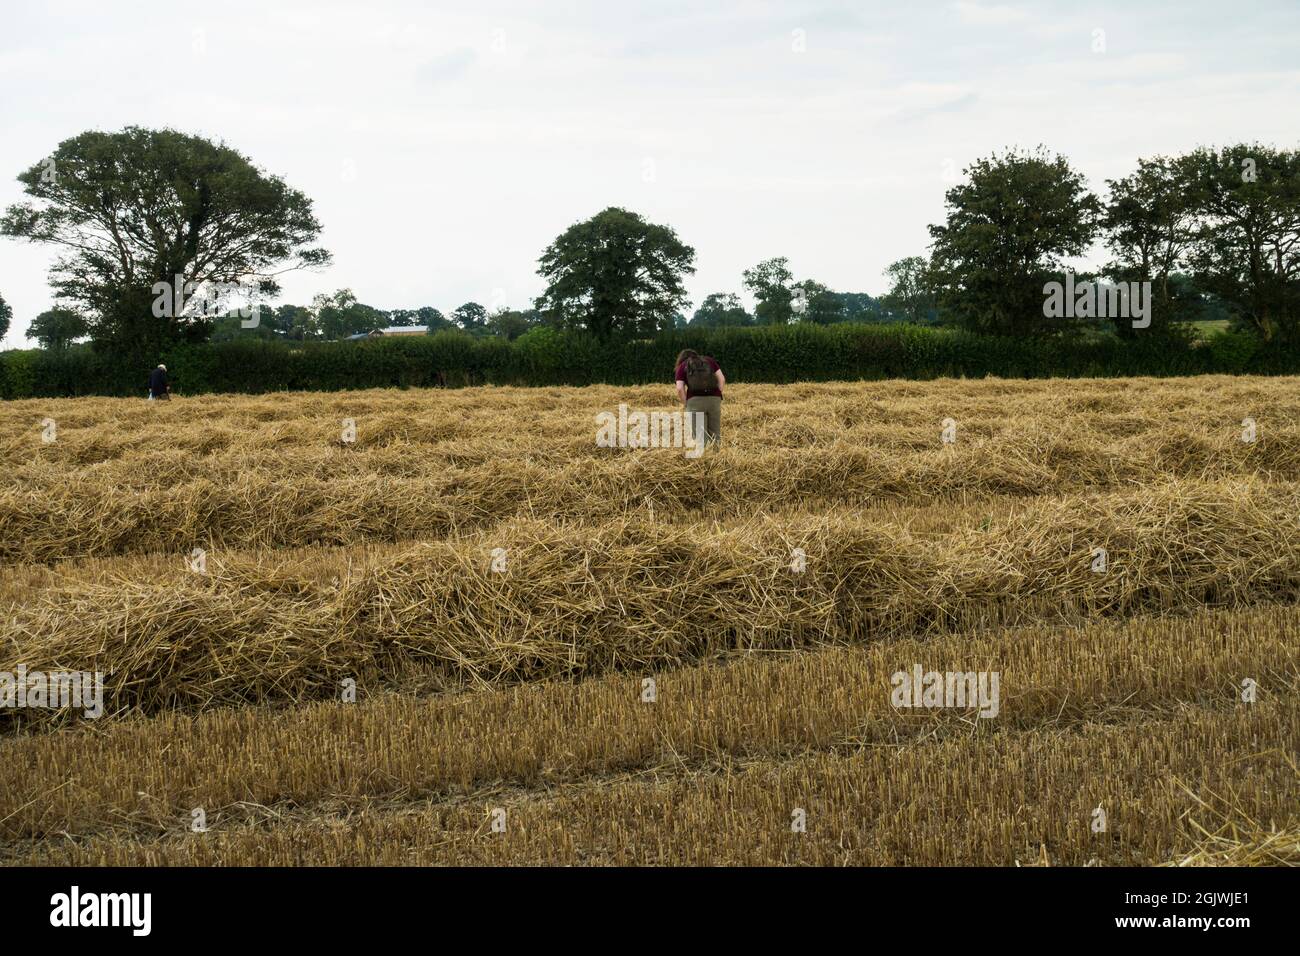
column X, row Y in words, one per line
column 813, row 302
column 340, row 315
column 297, row 323
column 403, row 318
column 910, row 294
column 511, row 323
column 672, row 323
column 721, row 310
column 425, row 315
column 1247, row 244
column 615, row 273
column 57, row 328
column 231, row 326
column 1150, row 222
column 549, row 318
column 137, row 208
column 861, row 307
column 431, row 319
column 6, row 313
column 471, row 317
column 769, row 282
column 1007, row 231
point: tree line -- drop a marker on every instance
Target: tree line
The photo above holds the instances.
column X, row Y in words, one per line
column 1216, row 234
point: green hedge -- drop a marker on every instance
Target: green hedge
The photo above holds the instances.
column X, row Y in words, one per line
column 547, row 357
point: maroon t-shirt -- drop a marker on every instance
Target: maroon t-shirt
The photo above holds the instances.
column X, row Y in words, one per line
column 681, row 377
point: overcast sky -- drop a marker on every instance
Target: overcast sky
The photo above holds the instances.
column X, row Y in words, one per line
column 446, row 144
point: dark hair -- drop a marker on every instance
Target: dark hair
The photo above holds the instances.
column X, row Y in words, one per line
column 683, row 355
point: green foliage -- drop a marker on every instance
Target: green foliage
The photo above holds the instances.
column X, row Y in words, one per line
column 815, row 303
column 139, row 207
column 1215, row 233
column 231, row 326
column 1149, row 221
column 1247, row 246
column 470, row 317
column 1007, row 232
column 861, row 307
column 58, row 328
column 546, row 356
column 6, row 313
column 721, row 310
column 340, row 315
column 295, row 323
column 17, row 379
column 616, row 274
column 511, row 323
column 770, row 282
column 426, row 315
column 1233, row 351
column 911, row 290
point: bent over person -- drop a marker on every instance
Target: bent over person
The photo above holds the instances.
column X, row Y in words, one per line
column 699, row 387
column 158, row 386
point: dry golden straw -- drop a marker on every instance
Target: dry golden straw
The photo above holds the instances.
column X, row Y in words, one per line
column 498, row 588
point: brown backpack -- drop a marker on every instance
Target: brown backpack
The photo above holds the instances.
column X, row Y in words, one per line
column 699, row 375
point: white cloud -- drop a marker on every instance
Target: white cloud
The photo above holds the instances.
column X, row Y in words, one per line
column 988, row 14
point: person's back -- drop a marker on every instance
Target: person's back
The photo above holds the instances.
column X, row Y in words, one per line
column 699, row 387
column 158, row 383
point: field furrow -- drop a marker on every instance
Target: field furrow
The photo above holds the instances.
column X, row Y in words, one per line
column 148, row 774
column 640, row 657
column 957, row 800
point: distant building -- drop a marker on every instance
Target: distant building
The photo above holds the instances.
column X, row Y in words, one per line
column 391, row 330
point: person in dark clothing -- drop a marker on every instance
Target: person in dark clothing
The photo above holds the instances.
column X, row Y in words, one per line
column 159, row 388
column 699, row 387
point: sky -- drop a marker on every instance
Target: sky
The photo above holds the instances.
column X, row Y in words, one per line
column 445, row 145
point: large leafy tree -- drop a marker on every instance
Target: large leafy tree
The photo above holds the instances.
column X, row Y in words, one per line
column 138, row 207
column 771, row 283
column 1008, row 230
column 1247, row 245
column 57, row 328
column 616, row 273
column 721, row 310
column 1150, row 222
column 6, row 313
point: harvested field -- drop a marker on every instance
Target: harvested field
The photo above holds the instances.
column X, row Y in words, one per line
column 568, row 654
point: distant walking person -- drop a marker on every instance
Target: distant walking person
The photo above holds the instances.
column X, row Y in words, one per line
column 158, row 385
column 699, row 387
